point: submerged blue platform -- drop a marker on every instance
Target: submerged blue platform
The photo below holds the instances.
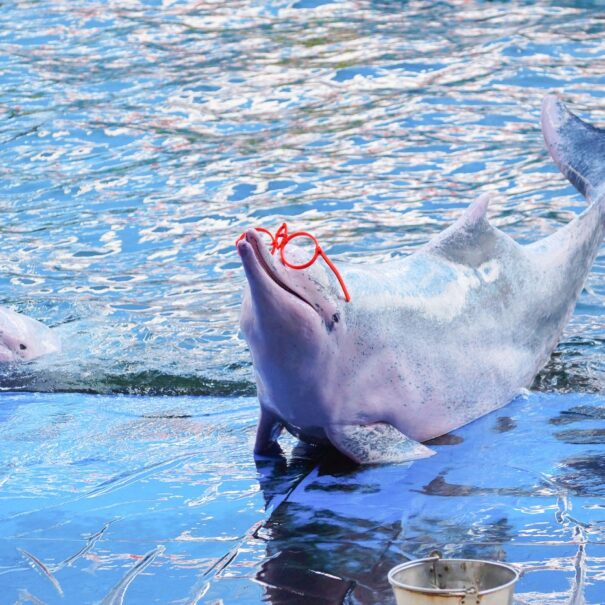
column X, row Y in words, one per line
column 158, row 500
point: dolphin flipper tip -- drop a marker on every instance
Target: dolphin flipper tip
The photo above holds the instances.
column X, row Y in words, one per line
column 378, row 443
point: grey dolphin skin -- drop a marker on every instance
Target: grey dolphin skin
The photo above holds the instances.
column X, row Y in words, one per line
column 429, row 342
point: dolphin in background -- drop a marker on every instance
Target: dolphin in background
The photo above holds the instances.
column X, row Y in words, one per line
column 23, row 338
column 428, row 342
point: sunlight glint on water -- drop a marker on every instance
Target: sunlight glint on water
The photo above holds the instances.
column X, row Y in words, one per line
column 139, row 140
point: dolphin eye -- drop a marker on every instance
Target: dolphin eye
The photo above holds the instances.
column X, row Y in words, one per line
column 336, row 318
column 22, row 347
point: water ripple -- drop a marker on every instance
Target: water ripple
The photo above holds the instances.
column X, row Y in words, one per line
column 138, row 140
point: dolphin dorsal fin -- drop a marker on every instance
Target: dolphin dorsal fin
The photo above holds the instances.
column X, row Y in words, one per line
column 471, row 240
column 472, row 221
column 476, row 212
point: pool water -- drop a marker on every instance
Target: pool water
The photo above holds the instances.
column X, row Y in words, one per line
column 138, row 139
column 111, row 499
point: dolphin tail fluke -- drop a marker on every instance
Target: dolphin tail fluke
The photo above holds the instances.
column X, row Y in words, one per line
column 577, row 148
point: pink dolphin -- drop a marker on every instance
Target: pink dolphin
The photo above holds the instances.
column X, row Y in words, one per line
column 23, row 338
column 429, row 342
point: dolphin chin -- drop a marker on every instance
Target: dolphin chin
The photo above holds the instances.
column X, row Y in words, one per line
column 428, row 342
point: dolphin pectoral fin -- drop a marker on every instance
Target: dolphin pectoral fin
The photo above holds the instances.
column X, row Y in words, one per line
column 378, row 443
column 268, row 430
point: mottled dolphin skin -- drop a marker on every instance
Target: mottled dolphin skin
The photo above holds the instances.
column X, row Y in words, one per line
column 23, row 338
column 429, row 342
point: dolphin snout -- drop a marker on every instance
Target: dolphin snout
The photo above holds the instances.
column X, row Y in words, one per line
column 249, row 236
column 253, row 236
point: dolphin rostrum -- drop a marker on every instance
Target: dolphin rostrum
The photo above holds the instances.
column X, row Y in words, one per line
column 23, row 338
column 429, row 342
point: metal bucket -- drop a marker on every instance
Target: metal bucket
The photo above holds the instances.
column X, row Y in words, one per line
column 436, row 581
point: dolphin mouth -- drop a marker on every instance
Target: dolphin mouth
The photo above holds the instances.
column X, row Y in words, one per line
column 269, row 271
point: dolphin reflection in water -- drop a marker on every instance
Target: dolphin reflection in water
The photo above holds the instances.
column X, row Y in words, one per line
column 429, row 342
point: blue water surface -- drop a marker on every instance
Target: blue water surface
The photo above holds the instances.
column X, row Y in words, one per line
column 137, row 140
column 111, row 499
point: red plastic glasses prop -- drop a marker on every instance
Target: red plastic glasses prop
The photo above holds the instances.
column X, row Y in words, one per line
column 282, row 238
